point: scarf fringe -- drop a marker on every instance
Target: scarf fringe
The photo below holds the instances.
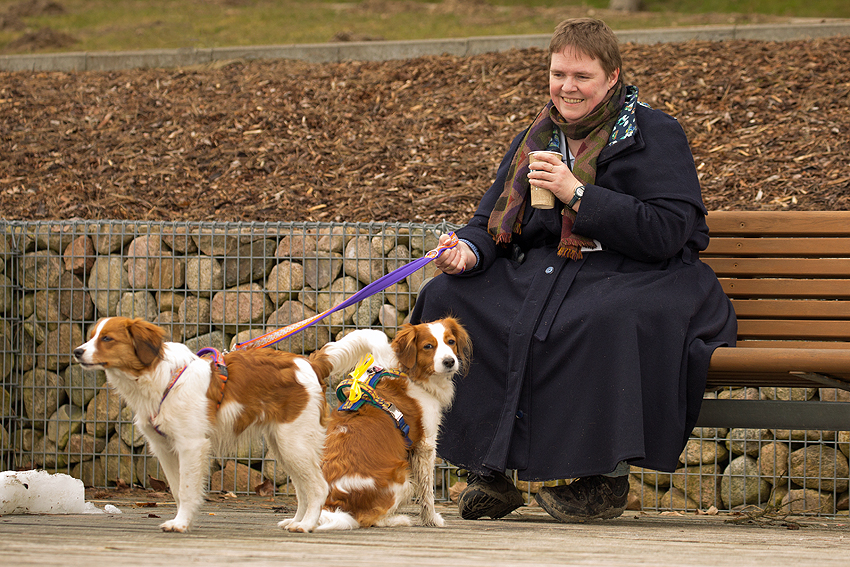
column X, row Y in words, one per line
column 571, row 252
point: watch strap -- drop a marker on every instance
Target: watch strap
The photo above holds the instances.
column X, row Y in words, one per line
column 576, row 196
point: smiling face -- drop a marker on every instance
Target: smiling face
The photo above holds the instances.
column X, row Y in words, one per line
column 577, row 83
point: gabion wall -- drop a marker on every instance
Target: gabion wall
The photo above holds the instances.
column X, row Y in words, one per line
column 216, row 284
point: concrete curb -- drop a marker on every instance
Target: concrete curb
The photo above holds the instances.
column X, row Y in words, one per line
column 387, row 50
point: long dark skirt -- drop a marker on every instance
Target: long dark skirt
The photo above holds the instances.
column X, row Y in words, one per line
column 579, row 365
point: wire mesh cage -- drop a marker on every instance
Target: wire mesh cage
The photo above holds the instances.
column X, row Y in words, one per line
column 209, row 285
column 218, row 284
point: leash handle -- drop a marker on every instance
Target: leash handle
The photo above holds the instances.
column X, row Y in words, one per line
column 436, row 252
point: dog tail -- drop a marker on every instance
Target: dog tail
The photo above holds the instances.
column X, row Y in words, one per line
column 344, row 355
column 336, row 520
column 322, row 366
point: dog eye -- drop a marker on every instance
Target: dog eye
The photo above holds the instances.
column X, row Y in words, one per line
column 428, row 346
column 450, row 342
column 105, row 339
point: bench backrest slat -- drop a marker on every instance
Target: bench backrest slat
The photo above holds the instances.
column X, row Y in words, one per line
column 791, row 309
column 793, row 329
column 778, row 267
column 779, row 223
column 827, row 247
column 773, row 288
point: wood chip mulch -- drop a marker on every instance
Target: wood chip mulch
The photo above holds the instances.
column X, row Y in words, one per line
column 412, row 140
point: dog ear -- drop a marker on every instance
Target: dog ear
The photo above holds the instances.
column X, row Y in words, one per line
column 404, row 346
column 147, row 340
column 463, row 340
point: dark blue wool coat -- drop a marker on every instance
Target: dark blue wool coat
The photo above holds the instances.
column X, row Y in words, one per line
column 581, row 364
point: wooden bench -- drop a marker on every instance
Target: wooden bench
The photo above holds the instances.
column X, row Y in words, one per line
column 788, row 276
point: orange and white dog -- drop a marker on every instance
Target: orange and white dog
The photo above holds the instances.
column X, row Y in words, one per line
column 370, row 464
column 187, row 408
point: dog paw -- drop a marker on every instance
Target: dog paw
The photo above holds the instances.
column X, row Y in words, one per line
column 174, row 526
column 435, row 521
column 295, row 527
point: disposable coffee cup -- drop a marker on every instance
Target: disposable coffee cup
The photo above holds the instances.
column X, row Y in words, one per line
column 542, row 198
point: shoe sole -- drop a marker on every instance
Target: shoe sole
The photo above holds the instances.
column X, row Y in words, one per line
column 550, row 509
column 482, row 504
column 490, row 507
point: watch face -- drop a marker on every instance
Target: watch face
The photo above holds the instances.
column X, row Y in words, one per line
column 580, row 192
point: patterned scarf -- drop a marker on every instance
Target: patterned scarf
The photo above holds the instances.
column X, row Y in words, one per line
column 595, row 129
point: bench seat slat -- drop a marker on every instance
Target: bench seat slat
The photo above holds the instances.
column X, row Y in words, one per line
column 792, row 344
column 769, row 267
column 785, row 223
column 768, row 287
column 766, row 360
column 791, row 309
column 802, row 247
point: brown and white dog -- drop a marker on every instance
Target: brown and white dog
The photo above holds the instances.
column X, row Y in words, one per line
column 276, row 393
column 368, row 464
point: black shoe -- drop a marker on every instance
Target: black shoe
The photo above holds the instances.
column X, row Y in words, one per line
column 588, row 498
column 494, row 496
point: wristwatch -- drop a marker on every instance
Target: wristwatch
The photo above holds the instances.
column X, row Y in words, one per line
column 579, row 193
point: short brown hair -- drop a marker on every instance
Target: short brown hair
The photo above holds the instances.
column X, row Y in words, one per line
column 591, row 37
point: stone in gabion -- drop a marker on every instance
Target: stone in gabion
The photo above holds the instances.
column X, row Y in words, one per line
column 80, row 255
column 700, row 483
column 138, row 304
column 90, row 472
column 169, row 301
column 833, row 395
column 118, row 462
column 130, row 434
column 284, row 280
column 55, row 352
column 274, row 471
column 804, row 435
column 240, row 307
column 7, row 296
column 739, row 394
column 651, row 477
column 204, row 276
column 819, row 467
column 195, row 316
column 675, row 499
column 789, row 394
column 40, row 270
column 6, row 403
column 66, row 421
column 843, row 439
column 83, row 445
column 808, row 501
column 773, row 460
column 102, row 413
column 740, row 483
column 147, row 466
column 235, row 477
column 646, row 494
column 252, row 261
column 741, row 441
column 364, row 258
column 320, row 272
column 699, row 451
column 82, row 385
column 108, row 282
column 43, row 393
column 168, row 320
